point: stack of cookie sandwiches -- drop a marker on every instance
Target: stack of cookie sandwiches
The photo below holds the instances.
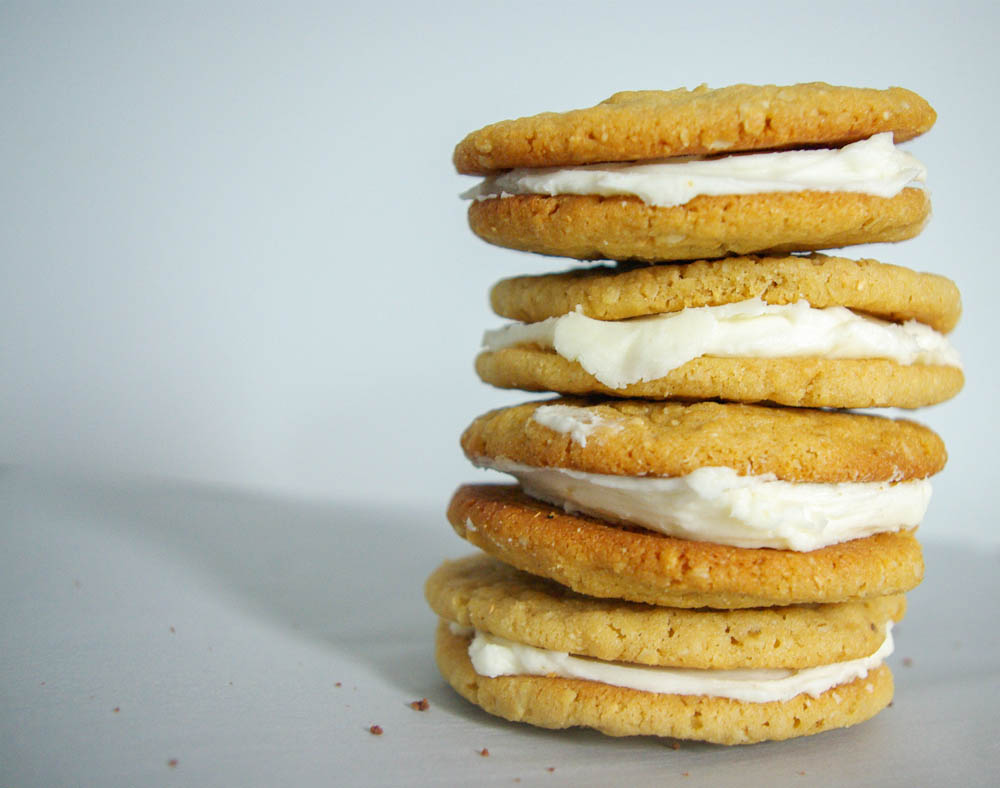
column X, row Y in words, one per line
column 703, row 542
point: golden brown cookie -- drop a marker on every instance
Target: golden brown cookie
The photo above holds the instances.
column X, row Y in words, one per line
column 651, row 124
column 588, row 227
column 795, row 382
column 551, row 702
column 889, row 292
column 674, row 439
column 597, row 559
column 488, row 595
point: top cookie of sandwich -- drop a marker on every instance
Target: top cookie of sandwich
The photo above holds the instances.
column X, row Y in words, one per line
column 639, row 438
column 625, row 290
column 653, row 124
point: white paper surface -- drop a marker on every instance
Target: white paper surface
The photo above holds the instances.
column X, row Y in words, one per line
column 143, row 623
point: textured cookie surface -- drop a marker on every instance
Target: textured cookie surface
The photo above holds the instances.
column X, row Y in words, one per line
column 619, row 292
column 625, row 228
column 650, row 124
column 597, row 559
column 486, row 594
column 551, row 702
column 674, row 439
column 796, row 382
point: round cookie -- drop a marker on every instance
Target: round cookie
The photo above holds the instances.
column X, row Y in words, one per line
column 674, row 439
column 588, row 227
column 601, row 560
column 551, row 702
column 651, row 124
column 889, row 292
column 795, row 382
column 483, row 593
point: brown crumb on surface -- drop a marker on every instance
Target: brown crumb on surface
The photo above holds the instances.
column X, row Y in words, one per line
column 550, row 768
column 675, row 745
column 375, row 730
column 116, row 709
column 802, row 773
column 907, row 661
column 173, row 631
column 484, row 752
column 338, row 684
column 420, row 705
column 685, row 774
column 890, row 704
column 172, row 763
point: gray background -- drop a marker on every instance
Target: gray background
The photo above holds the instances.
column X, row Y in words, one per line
column 236, row 287
column 232, row 249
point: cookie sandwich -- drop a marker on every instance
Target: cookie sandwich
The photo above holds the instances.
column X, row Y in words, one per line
column 685, row 174
column 704, row 504
column 813, row 331
column 530, row 650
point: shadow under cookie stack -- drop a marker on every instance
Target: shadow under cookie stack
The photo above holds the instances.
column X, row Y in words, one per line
column 703, row 542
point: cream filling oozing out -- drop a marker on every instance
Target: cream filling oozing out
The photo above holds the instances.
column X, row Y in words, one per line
column 873, row 166
column 578, row 423
column 620, row 352
column 718, row 505
column 493, row 656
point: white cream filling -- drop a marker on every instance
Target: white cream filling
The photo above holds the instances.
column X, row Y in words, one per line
column 493, row 656
column 718, row 505
column 578, row 423
column 620, row 352
column 873, row 166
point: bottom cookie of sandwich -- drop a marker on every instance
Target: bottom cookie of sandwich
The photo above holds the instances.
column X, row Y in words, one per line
column 600, row 559
column 551, row 701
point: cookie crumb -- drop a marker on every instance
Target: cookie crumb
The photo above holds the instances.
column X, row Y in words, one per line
column 802, row 773
column 675, row 745
column 890, row 704
column 420, row 705
column 550, row 768
column 907, row 662
column 375, row 730
column 685, row 774
column 116, row 709
column 173, row 631
column 172, row 763
column 484, row 752
column 338, row 684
